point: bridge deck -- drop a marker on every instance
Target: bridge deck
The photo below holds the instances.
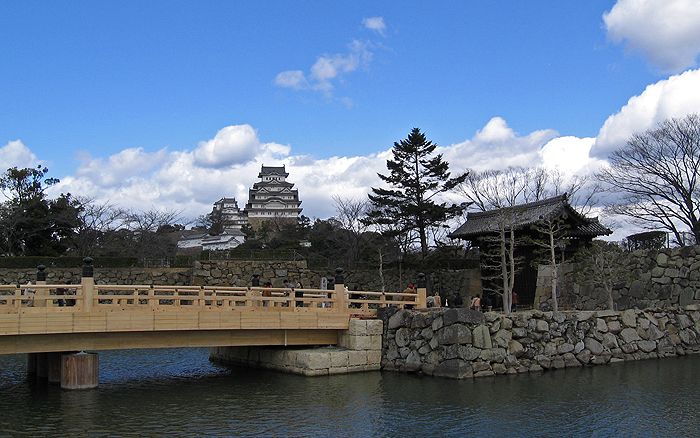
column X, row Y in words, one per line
column 43, row 318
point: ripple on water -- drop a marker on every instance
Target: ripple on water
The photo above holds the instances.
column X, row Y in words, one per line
column 179, row 392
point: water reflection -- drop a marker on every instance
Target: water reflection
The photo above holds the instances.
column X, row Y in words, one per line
column 179, row 392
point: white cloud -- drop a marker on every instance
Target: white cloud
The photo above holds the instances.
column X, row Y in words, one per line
column 667, row 32
column 497, row 146
column 120, row 167
column 291, row 79
column 15, row 154
column 191, row 180
column 676, row 96
column 327, row 70
column 376, row 24
column 235, row 144
column 570, row 155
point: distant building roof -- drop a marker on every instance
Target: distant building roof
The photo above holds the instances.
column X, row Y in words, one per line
column 524, row 215
column 272, row 184
column 272, row 170
column 227, row 201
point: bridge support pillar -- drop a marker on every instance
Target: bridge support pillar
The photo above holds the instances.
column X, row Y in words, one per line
column 31, row 364
column 42, row 366
column 53, row 365
column 79, row 370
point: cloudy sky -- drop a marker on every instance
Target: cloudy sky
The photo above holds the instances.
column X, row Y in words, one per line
column 176, row 104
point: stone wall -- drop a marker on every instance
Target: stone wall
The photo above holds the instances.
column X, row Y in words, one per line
column 462, row 343
column 169, row 276
column 240, row 272
column 670, row 277
column 359, row 349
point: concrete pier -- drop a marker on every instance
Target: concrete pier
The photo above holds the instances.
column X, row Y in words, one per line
column 359, row 349
column 70, row 370
column 79, row 370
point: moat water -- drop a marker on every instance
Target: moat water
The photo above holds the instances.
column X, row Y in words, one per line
column 178, row 392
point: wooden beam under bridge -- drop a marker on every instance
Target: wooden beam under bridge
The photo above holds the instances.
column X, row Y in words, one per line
column 36, row 343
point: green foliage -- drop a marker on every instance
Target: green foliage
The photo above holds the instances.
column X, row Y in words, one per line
column 416, row 176
column 30, row 223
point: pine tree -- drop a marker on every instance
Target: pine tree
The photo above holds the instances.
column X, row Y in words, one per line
column 416, row 176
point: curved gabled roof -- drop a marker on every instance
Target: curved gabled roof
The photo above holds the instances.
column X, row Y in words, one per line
column 524, row 215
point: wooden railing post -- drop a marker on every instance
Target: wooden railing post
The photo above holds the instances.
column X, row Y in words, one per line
column 18, row 297
column 422, row 298
column 88, row 284
column 151, row 294
column 292, row 299
column 341, row 299
column 41, row 292
column 248, row 301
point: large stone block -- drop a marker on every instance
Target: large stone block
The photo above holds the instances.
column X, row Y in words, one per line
column 357, row 327
column 461, row 315
column 593, row 346
column 481, row 337
column 339, row 358
column 375, row 342
column 454, row 334
column 374, row 357
column 401, row 318
column 629, row 318
column 314, row 360
column 502, row 338
column 647, row 346
column 375, row 326
column 403, row 337
column 629, row 335
column 357, row 358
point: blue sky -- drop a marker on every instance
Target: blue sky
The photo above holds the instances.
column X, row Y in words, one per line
column 102, row 77
column 84, row 81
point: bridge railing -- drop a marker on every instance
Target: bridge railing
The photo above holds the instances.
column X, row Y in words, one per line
column 60, row 297
column 91, row 297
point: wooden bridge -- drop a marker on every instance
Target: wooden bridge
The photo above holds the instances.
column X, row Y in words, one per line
column 40, row 318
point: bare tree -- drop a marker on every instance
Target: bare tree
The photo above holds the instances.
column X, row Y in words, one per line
column 498, row 257
column 143, row 232
column 380, row 253
column 494, row 189
column 95, row 220
column 604, row 264
column 349, row 212
column 149, row 220
column 554, row 231
column 656, row 177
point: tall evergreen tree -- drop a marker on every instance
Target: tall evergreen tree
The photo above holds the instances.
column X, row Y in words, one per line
column 416, row 177
column 30, row 222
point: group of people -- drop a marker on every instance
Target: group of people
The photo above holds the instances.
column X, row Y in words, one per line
column 288, row 284
column 490, row 302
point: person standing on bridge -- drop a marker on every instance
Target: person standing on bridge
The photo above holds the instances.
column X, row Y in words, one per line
column 267, row 292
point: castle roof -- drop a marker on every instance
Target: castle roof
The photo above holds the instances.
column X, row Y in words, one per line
column 524, row 215
column 272, row 170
